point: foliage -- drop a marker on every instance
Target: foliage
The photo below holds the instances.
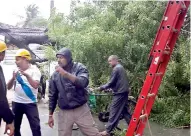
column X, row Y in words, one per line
column 32, row 18
column 31, row 13
column 50, row 53
column 38, row 22
column 174, row 94
column 96, row 30
column 102, row 103
column 174, row 111
column 120, row 133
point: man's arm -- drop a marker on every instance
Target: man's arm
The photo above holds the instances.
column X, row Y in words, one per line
column 33, row 81
column 53, row 96
column 7, row 116
column 81, row 80
column 111, row 82
column 5, row 112
column 10, row 83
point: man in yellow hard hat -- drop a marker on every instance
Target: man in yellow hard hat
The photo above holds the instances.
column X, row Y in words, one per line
column 5, row 111
column 27, row 79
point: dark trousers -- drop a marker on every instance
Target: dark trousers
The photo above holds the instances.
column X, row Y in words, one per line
column 43, row 89
column 32, row 114
column 119, row 107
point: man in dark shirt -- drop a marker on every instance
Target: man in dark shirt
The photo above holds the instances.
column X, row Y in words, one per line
column 5, row 112
column 120, row 89
column 67, row 87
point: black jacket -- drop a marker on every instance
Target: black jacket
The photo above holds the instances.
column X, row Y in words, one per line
column 5, row 111
column 68, row 95
column 118, row 81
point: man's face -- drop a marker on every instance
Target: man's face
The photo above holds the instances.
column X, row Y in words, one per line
column 62, row 61
column 112, row 62
column 21, row 62
column 2, row 55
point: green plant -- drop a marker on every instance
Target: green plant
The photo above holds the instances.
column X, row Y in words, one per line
column 127, row 29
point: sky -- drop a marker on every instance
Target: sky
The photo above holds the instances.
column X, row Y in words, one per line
column 11, row 10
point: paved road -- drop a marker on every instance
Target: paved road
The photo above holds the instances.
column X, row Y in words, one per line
column 46, row 130
column 157, row 130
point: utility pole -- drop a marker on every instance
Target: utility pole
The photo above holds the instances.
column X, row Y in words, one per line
column 51, row 6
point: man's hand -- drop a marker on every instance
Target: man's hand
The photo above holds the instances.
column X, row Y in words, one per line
column 23, row 73
column 60, row 70
column 10, row 128
column 12, row 80
column 91, row 90
column 51, row 121
column 14, row 75
column 97, row 89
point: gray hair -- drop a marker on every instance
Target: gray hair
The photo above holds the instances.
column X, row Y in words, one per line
column 114, row 57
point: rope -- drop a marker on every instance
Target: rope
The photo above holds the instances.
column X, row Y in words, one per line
column 148, row 122
column 149, row 127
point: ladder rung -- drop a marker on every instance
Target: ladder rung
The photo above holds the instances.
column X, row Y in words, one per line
column 142, row 112
column 158, row 42
column 175, row 30
column 167, row 47
column 183, row 5
column 166, row 52
column 165, row 18
column 158, row 74
column 143, row 116
column 150, row 95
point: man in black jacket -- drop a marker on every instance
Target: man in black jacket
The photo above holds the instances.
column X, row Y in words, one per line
column 67, row 87
column 5, row 112
column 120, row 87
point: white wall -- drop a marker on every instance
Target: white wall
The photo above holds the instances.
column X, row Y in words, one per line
column 8, row 71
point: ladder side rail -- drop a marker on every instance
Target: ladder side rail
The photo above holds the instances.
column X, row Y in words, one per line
column 147, row 85
column 159, row 28
column 145, row 90
column 165, row 17
column 167, row 26
column 162, row 69
column 167, row 58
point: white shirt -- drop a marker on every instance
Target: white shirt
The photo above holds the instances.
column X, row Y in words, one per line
column 20, row 95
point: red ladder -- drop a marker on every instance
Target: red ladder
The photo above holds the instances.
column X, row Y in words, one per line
column 160, row 55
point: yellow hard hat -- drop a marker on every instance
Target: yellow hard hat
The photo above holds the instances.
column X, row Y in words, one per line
column 23, row 53
column 3, row 46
